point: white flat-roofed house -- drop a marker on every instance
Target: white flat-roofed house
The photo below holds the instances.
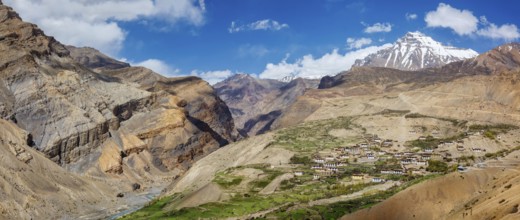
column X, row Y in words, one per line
column 378, row 180
column 477, row 150
column 319, row 160
column 388, row 143
column 406, row 161
column 421, row 163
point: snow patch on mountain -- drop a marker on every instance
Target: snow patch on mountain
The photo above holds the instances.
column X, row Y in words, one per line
column 416, row 51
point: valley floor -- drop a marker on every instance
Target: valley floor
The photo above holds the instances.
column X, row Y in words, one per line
column 329, row 168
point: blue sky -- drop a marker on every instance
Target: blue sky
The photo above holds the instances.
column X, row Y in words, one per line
column 269, row 38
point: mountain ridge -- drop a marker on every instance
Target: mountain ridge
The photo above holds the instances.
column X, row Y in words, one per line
column 415, row 51
column 256, row 103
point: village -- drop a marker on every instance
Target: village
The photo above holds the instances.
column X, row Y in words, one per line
column 389, row 159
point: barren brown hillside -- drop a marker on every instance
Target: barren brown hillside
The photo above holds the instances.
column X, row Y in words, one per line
column 484, row 89
column 490, row 193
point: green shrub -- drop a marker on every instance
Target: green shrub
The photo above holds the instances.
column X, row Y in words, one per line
column 437, row 166
column 305, row 160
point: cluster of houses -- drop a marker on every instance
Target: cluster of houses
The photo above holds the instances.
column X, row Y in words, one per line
column 374, row 149
column 332, row 164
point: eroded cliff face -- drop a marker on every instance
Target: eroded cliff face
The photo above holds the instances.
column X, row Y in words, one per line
column 66, row 108
column 206, row 125
column 200, row 100
column 34, row 187
column 71, row 110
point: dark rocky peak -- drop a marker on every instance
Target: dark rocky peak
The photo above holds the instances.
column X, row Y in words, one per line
column 301, row 83
column 94, row 59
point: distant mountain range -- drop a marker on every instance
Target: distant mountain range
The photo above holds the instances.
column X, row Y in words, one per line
column 256, row 103
column 415, row 51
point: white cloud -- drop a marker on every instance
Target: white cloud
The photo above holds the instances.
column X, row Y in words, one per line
column 158, row 66
column 505, row 32
column 95, row 22
column 378, row 27
column 266, row 24
column 411, row 16
column 353, row 43
column 309, row 67
column 213, row 77
column 180, row 10
column 463, row 22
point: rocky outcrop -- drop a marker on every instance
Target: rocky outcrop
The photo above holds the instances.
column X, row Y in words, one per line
column 93, row 59
column 111, row 160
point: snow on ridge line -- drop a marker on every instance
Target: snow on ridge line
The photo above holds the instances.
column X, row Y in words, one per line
column 416, row 51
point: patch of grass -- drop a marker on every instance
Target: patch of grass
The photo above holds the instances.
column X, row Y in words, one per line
column 392, row 112
column 499, row 127
column 437, row 166
column 490, row 134
column 501, row 153
column 466, row 159
column 244, row 205
column 360, row 168
column 491, row 131
column 454, row 122
column 154, row 210
column 312, row 136
column 227, row 181
column 339, row 209
column 305, row 160
column 259, row 184
column 390, row 164
column 432, row 142
column 241, row 205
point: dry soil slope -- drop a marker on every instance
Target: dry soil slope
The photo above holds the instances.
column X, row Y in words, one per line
column 33, row 187
column 252, row 150
column 481, row 194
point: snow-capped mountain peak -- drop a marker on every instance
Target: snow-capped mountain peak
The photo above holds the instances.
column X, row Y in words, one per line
column 416, row 51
